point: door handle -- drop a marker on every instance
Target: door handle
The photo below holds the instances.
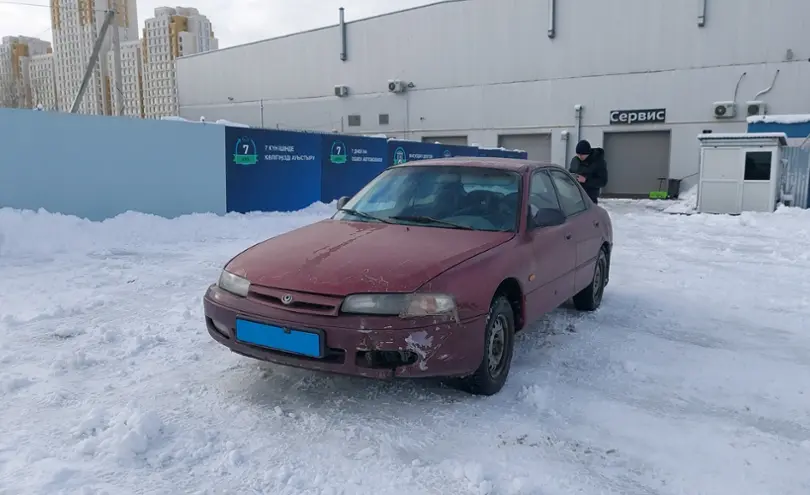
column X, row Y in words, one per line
column 567, row 237
column 596, row 223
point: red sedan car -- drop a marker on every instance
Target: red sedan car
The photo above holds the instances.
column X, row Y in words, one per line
column 428, row 271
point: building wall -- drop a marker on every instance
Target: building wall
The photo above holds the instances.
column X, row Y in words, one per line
column 98, row 167
column 131, row 77
column 41, row 77
column 15, row 54
column 484, row 68
column 172, row 32
column 75, row 26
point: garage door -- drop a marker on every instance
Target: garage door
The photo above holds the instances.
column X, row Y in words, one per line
column 538, row 146
column 635, row 162
column 456, row 140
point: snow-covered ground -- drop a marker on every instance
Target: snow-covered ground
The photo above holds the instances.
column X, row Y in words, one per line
column 693, row 378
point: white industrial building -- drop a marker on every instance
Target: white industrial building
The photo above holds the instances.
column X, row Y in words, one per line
column 647, row 76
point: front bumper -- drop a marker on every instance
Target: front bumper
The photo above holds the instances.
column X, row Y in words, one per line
column 391, row 349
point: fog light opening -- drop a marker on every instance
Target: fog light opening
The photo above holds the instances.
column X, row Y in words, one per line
column 221, row 328
column 385, row 359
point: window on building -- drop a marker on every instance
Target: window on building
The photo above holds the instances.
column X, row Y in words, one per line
column 354, row 120
column 758, row 165
column 383, row 119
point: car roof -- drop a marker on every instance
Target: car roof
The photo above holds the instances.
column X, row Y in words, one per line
column 513, row 164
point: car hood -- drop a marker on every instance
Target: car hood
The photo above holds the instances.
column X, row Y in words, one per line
column 340, row 258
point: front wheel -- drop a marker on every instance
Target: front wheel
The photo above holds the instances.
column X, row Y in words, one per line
column 590, row 298
column 499, row 342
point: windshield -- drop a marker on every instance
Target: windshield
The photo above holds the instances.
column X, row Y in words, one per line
column 470, row 198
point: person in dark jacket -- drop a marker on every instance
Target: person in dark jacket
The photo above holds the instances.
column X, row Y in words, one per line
column 590, row 169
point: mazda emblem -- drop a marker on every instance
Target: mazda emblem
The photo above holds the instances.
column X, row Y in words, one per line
column 286, row 299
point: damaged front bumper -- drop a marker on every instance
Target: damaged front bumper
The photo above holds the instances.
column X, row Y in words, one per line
column 375, row 348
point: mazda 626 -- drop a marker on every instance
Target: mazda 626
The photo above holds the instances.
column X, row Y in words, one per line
column 428, row 271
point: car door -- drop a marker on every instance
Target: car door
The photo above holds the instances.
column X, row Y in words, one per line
column 583, row 226
column 553, row 261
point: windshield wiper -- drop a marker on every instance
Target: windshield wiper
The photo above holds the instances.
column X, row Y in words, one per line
column 426, row 219
column 363, row 214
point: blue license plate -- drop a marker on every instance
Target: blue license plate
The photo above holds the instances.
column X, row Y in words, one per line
column 305, row 343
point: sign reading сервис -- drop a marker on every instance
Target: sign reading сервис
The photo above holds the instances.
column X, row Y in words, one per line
column 646, row 116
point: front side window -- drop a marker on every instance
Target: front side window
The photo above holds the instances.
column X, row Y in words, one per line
column 571, row 199
column 471, row 198
column 542, row 194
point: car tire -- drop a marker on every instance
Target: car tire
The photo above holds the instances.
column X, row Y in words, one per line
column 499, row 343
column 590, row 298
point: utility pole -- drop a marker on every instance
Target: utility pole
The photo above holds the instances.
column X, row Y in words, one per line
column 118, row 98
column 88, row 71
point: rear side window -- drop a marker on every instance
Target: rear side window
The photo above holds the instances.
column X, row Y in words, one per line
column 571, row 199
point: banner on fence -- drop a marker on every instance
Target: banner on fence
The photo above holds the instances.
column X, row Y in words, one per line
column 451, row 150
column 349, row 163
column 269, row 170
column 400, row 152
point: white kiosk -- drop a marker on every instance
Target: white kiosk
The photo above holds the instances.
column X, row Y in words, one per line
column 739, row 172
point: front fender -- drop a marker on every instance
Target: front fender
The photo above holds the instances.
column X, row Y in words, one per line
column 474, row 281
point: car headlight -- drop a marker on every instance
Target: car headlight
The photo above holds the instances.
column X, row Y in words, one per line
column 233, row 283
column 402, row 305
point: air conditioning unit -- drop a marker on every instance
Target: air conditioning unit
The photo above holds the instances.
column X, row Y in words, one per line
column 341, row 91
column 756, row 108
column 397, row 86
column 725, row 110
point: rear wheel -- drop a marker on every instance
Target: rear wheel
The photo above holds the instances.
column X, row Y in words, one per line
column 499, row 342
column 590, row 298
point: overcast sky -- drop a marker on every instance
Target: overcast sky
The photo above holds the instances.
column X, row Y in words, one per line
column 235, row 21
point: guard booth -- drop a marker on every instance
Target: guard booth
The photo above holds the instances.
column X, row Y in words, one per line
column 739, row 172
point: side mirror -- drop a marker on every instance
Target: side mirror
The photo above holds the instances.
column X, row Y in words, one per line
column 548, row 217
column 342, row 202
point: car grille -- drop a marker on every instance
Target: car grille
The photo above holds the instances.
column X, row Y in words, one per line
column 301, row 302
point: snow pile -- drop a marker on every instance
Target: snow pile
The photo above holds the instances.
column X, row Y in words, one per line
column 741, row 135
column 125, row 436
column 693, row 377
column 230, row 124
column 175, row 118
column 779, row 119
column 202, row 120
column 40, row 235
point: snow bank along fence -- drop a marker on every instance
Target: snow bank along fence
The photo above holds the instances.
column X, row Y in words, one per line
column 795, row 181
column 98, row 167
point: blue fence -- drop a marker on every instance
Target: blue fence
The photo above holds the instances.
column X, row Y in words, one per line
column 795, row 129
column 98, row 167
column 350, row 162
column 271, row 170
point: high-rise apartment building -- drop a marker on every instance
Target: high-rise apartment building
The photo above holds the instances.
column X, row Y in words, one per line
column 172, row 33
column 75, row 25
column 131, row 78
column 15, row 54
column 42, row 81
